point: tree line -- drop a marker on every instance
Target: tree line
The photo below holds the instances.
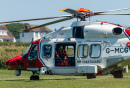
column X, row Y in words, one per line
column 14, row 28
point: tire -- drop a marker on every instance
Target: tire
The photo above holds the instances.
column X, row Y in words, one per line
column 91, row 76
column 118, row 74
column 32, row 77
column 36, row 77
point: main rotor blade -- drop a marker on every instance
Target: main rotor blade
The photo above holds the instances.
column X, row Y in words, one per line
column 71, row 11
column 96, row 13
column 37, row 19
column 115, row 14
column 53, row 22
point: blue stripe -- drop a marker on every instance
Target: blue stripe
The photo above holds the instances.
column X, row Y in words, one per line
column 40, row 53
column 126, row 34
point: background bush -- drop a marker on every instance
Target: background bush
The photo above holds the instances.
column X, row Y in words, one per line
column 14, row 44
column 9, row 50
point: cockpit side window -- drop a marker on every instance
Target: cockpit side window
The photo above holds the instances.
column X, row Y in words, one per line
column 78, row 32
column 46, row 51
column 26, row 52
column 33, row 53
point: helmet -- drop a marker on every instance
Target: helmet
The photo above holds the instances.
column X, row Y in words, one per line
column 61, row 47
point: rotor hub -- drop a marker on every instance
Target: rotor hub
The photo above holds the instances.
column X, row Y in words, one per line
column 83, row 10
column 85, row 13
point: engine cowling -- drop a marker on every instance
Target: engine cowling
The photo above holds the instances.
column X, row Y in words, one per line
column 117, row 31
column 103, row 31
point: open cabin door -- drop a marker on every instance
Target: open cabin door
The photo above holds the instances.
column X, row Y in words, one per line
column 65, row 54
column 88, row 53
column 65, row 58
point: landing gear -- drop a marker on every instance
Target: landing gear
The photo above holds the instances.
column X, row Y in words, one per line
column 35, row 76
column 118, row 74
column 91, row 76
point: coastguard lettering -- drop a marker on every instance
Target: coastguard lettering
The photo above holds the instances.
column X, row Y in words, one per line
column 78, row 61
column 91, row 61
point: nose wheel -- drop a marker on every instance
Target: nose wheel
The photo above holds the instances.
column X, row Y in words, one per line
column 35, row 76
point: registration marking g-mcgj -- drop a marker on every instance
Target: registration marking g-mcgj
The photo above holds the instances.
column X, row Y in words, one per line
column 117, row 50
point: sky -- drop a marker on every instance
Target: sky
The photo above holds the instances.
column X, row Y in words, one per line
column 11, row 10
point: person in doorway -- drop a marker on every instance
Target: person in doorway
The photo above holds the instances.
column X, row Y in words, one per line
column 61, row 54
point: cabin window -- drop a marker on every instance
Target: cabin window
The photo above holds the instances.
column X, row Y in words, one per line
column 33, row 52
column 78, row 32
column 46, row 51
column 64, row 54
column 95, row 50
column 83, row 51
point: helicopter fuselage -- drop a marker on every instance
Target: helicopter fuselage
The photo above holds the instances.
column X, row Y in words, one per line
column 91, row 47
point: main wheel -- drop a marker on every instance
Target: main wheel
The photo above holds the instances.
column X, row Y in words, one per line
column 34, row 77
column 90, row 76
column 118, row 74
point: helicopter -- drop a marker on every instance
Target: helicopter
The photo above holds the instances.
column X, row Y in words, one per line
column 88, row 48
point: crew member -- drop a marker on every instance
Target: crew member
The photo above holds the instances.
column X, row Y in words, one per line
column 63, row 55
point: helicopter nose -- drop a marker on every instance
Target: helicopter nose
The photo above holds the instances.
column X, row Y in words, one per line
column 7, row 63
column 14, row 62
column 11, row 63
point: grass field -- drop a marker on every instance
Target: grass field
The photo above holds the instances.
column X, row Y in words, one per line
column 9, row 80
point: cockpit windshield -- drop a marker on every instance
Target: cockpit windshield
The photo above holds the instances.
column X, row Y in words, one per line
column 26, row 52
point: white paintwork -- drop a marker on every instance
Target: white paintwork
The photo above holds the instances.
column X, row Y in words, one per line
column 87, row 69
column 61, row 33
column 113, row 52
column 43, row 70
column 91, row 30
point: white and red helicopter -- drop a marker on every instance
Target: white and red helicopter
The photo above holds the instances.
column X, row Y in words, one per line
column 88, row 48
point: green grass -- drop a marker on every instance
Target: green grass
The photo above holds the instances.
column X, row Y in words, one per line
column 9, row 80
